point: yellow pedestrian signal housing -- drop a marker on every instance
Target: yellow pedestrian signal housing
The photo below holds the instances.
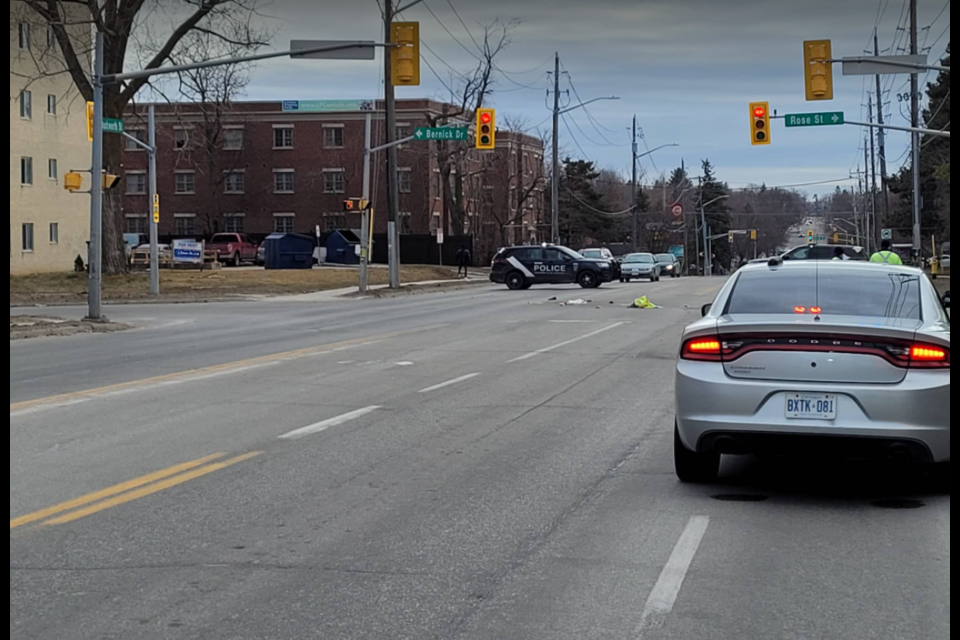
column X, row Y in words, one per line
column 72, row 181
column 405, row 54
column 818, row 69
column 730, row 237
column 753, row 234
column 89, row 122
column 836, row 238
column 486, row 129
column 810, row 236
column 110, row 181
column 759, row 123
column 355, row 204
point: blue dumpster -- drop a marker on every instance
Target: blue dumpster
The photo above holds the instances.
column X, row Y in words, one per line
column 343, row 247
column 288, row 251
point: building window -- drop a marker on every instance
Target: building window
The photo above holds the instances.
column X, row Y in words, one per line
column 24, row 36
column 235, row 183
column 404, row 177
column 26, row 170
column 405, row 226
column 27, row 234
column 137, row 224
column 181, row 139
column 26, row 105
column 136, row 184
column 283, row 138
column 333, row 181
column 403, row 131
column 52, row 170
column 185, row 182
column 130, row 145
column 333, row 222
column 233, row 139
column 51, row 105
column 186, row 224
column 283, row 181
column 54, row 233
column 234, row 224
column 283, row 223
column 333, row 137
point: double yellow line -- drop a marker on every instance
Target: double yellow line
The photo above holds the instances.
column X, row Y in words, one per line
column 129, row 491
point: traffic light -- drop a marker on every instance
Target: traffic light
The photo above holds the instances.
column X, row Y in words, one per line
column 89, row 122
column 836, row 238
column 72, row 181
column 753, row 235
column 818, row 69
column 110, row 181
column 730, row 237
column 355, row 204
column 405, row 54
column 759, row 123
column 486, row 129
column 811, row 238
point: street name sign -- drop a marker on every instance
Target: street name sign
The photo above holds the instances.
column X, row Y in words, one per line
column 441, row 133
column 112, row 125
column 828, row 118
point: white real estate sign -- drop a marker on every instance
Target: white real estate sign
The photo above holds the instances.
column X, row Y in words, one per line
column 187, row 252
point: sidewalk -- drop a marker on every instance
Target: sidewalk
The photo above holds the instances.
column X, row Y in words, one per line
column 333, row 295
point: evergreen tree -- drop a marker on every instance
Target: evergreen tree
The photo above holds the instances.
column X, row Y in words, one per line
column 582, row 208
column 718, row 211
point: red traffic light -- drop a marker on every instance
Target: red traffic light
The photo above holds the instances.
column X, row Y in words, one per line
column 485, row 118
column 759, row 112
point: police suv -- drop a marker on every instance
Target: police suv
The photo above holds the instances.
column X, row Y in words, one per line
column 523, row 267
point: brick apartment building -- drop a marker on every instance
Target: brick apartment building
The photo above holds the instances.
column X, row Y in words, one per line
column 261, row 167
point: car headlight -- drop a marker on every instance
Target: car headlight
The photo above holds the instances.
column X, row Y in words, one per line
column 669, row 267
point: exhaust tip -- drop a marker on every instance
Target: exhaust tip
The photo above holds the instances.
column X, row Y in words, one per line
column 725, row 445
column 899, row 452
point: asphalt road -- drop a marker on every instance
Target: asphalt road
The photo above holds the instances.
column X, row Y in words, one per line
column 482, row 465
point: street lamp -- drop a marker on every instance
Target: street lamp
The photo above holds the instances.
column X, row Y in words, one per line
column 633, row 183
column 707, row 262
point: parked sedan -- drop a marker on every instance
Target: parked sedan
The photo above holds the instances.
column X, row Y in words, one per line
column 640, row 265
column 850, row 360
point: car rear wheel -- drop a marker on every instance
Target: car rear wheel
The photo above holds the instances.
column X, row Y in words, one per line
column 691, row 466
column 515, row 281
column 588, row 280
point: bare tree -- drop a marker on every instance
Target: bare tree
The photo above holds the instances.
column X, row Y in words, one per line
column 472, row 94
column 165, row 28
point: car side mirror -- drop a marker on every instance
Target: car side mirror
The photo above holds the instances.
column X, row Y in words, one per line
column 705, row 309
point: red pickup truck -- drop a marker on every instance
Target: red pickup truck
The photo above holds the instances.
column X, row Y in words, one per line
column 233, row 248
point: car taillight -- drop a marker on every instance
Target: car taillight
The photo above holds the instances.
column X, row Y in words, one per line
column 703, row 349
column 926, row 356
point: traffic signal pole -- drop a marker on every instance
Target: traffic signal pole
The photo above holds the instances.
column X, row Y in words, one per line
column 154, row 199
column 915, row 136
column 95, row 252
column 366, row 221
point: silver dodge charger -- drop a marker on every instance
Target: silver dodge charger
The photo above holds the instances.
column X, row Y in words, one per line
column 840, row 359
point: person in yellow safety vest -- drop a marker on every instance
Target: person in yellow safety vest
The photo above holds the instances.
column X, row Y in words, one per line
column 885, row 255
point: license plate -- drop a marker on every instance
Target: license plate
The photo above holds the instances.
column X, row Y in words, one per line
column 811, row 406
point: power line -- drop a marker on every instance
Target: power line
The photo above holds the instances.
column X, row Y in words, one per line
column 465, row 27
column 450, row 33
column 563, row 117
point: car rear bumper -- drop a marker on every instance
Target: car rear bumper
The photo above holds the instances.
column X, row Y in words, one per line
column 716, row 412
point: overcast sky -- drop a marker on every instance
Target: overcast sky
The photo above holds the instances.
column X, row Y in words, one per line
column 686, row 68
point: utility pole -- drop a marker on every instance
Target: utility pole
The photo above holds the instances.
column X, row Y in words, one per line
column 872, row 200
column 95, row 254
column 555, row 182
column 633, row 190
column 393, row 187
column 154, row 202
column 881, row 134
column 915, row 123
column 703, row 221
column 873, row 173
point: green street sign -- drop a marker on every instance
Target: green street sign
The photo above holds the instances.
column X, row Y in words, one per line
column 828, row 118
column 441, row 133
column 112, row 125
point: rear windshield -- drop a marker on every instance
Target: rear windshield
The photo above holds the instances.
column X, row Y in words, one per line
column 646, row 259
column 858, row 293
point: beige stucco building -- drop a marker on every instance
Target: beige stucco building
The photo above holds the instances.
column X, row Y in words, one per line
column 49, row 227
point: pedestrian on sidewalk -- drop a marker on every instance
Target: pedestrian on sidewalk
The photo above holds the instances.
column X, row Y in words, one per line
column 464, row 261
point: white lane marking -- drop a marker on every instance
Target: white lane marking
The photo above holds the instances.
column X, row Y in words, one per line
column 327, row 424
column 534, row 354
column 665, row 592
column 450, row 383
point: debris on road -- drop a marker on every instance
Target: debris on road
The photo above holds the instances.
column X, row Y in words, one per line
column 575, row 303
column 643, row 303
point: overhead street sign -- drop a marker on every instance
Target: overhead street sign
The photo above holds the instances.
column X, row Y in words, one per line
column 828, row 118
column 441, row 133
column 327, row 106
column 112, row 125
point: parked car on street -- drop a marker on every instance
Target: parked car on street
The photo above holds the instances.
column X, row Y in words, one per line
column 848, row 360
column 669, row 265
column 233, row 248
column 522, row 267
column 640, row 265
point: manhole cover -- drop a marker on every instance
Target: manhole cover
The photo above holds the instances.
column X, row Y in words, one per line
column 899, row 504
column 740, row 497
